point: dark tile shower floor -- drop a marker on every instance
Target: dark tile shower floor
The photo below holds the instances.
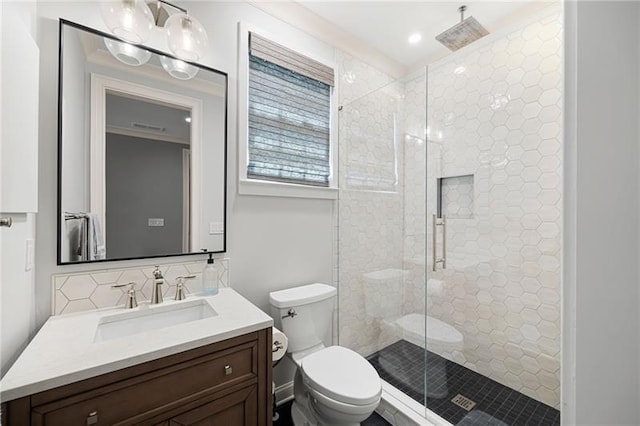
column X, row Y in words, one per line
column 402, row 365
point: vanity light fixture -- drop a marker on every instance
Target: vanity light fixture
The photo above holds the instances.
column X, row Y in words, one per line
column 132, row 21
column 127, row 53
column 178, row 69
column 186, row 36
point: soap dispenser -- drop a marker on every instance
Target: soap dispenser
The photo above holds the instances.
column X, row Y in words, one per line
column 209, row 278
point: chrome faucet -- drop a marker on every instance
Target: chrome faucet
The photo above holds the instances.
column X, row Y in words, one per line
column 180, row 288
column 158, row 280
column 131, row 301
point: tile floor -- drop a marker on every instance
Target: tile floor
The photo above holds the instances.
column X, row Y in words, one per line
column 285, row 417
column 402, row 365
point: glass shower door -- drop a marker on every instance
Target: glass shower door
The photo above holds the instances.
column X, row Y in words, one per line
column 380, row 228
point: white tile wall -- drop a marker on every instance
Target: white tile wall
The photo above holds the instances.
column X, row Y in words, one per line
column 370, row 200
column 501, row 119
column 84, row 291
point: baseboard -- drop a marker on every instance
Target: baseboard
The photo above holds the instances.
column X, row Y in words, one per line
column 284, row 393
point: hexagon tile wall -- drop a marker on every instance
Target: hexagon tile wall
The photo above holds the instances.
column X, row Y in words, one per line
column 496, row 112
column 84, row 291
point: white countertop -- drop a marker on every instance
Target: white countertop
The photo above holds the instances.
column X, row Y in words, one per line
column 64, row 351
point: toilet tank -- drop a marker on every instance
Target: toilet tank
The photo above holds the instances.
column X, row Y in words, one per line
column 311, row 320
column 383, row 292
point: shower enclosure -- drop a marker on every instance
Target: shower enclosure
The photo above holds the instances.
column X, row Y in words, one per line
column 449, row 222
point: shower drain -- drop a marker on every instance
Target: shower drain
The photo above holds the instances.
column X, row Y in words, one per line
column 464, row 402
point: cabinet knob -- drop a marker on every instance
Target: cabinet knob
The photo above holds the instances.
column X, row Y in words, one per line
column 6, row 221
column 92, row 418
column 228, row 370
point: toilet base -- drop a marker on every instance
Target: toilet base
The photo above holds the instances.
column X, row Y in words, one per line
column 302, row 411
column 298, row 417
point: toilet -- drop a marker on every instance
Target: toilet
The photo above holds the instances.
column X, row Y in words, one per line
column 333, row 385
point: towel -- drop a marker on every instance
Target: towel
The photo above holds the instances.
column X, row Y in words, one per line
column 95, row 240
column 76, row 236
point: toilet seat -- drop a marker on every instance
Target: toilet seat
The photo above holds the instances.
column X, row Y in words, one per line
column 324, row 373
column 417, row 327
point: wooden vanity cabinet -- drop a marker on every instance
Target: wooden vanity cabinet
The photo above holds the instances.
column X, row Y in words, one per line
column 226, row 383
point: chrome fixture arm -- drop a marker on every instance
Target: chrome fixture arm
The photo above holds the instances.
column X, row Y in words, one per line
column 160, row 13
column 131, row 302
column 277, row 345
column 434, row 259
column 182, row 9
column 290, row 313
column 180, row 291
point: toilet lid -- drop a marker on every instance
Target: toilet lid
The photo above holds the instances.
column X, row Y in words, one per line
column 343, row 375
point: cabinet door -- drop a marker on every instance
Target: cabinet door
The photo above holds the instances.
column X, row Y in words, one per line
column 239, row 408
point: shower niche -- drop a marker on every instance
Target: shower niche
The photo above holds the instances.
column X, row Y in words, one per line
column 455, row 197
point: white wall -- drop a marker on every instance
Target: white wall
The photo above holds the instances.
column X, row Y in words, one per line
column 602, row 170
column 17, row 291
column 17, row 312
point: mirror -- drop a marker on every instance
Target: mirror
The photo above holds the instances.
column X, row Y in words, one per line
column 141, row 151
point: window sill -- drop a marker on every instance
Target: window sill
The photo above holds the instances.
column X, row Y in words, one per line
column 277, row 189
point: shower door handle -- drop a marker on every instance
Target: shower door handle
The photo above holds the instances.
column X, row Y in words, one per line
column 444, row 242
column 433, row 242
column 435, row 260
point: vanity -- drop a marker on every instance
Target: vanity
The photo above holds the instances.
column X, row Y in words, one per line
column 203, row 360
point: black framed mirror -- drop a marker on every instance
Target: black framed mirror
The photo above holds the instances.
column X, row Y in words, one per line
column 142, row 151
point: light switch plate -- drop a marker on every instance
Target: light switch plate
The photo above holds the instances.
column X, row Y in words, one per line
column 29, row 255
column 216, row 228
column 156, row 221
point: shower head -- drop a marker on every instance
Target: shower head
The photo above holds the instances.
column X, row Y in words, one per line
column 463, row 33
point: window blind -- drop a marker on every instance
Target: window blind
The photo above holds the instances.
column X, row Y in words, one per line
column 277, row 54
column 289, row 123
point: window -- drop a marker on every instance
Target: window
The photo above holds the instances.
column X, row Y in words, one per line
column 289, row 116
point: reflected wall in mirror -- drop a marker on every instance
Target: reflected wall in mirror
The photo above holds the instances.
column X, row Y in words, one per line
column 142, row 151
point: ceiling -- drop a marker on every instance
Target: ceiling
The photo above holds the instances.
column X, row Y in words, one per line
column 387, row 25
column 149, row 119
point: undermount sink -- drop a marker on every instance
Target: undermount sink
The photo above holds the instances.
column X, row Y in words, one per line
column 154, row 318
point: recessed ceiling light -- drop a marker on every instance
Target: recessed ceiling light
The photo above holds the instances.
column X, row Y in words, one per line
column 187, row 119
column 415, row 38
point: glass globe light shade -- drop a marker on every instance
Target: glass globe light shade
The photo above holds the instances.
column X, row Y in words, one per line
column 127, row 53
column 178, row 69
column 130, row 20
column 186, row 37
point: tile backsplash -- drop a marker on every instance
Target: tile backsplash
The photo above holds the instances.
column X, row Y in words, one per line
column 84, row 291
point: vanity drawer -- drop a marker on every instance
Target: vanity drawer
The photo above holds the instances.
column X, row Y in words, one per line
column 138, row 398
